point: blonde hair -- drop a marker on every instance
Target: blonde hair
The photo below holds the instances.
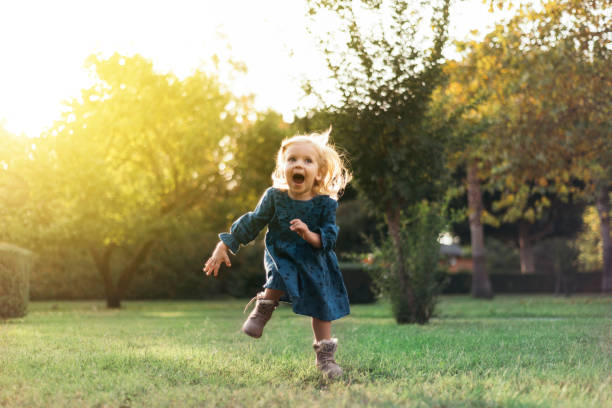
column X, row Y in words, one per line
column 335, row 174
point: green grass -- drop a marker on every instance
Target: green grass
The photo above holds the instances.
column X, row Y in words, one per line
column 514, row 351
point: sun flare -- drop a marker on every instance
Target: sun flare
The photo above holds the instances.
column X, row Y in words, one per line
column 43, row 52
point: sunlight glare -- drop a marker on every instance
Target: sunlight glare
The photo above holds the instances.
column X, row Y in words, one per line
column 43, row 52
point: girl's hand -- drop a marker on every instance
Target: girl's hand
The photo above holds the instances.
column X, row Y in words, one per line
column 302, row 230
column 218, row 257
column 299, row 227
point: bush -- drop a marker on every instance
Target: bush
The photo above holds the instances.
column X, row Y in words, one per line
column 358, row 283
column 419, row 239
column 355, row 225
column 502, row 257
column 67, row 273
column 15, row 265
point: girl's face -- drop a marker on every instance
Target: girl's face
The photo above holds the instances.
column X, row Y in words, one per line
column 301, row 170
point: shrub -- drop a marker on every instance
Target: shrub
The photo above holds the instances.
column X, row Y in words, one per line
column 419, row 232
column 358, row 282
column 15, row 265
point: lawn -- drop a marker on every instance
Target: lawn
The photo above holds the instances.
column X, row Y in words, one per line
column 514, row 351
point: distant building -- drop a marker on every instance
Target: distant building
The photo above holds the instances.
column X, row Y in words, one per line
column 452, row 257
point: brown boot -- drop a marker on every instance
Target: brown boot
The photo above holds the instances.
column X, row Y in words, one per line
column 325, row 350
column 259, row 316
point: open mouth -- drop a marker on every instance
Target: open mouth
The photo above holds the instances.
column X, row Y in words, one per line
column 298, row 178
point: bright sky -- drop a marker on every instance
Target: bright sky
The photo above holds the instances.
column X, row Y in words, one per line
column 43, row 45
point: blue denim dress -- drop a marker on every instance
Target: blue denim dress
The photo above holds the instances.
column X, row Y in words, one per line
column 309, row 276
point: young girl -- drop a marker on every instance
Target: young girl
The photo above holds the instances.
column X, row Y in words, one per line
column 299, row 259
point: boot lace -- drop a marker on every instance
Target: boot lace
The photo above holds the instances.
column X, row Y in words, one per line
column 249, row 304
column 260, row 307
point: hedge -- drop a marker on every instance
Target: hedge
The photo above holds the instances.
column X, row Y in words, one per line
column 358, row 283
column 532, row 283
column 15, row 265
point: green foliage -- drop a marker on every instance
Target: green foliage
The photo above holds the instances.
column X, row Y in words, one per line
column 13, row 188
column 589, row 242
column 136, row 152
column 65, row 272
column 540, row 132
column 211, row 169
column 502, row 256
column 356, row 223
column 419, row 235
column 253, row 150
column 546, row 85
column 560, row 257
column 15, row 266
column 386, row 81
column 139, row 148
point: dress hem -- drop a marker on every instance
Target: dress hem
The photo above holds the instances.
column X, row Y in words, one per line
column 322, row 319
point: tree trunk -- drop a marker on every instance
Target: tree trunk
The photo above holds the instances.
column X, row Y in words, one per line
column 603, row 208
column 130, row 271
column 102, row 262
column 393, row 221
column 481, row 285
column 115, row 293
column 526, row 248
column 113, row 300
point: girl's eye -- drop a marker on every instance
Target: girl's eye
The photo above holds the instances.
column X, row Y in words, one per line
column 291, row 159
column 308, row 160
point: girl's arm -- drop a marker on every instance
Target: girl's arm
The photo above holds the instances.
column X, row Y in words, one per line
column 243, row 231
column 218, row 257
column 323, row 236
column 246, row 228
column 328, row 230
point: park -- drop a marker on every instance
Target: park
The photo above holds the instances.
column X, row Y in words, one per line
column 449, row 179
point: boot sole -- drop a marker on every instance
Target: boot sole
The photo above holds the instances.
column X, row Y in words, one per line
column 251, row 334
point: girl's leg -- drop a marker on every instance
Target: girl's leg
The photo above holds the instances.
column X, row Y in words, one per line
column 325, row 348
column 273, row 294
column 321, row 329
column 266, row 304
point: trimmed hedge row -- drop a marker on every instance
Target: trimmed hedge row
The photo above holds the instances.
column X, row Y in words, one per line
column 359, row 283
column 15, row 265
column 533, row 283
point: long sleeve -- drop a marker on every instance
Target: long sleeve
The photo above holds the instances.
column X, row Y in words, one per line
column 328, row 228
column 246, row 228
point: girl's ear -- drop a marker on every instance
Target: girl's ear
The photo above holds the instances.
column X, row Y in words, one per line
column 319, row 177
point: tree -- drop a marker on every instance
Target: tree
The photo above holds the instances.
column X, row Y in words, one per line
column 555, row 131
column 540, row 69
column 385, row 82
column 13, row 188
column 135, row 151
column 253, row 159
column 585, row 48
column 462, row 96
